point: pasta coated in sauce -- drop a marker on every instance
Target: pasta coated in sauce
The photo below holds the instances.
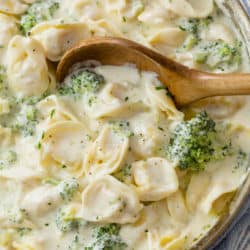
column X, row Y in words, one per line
column 105, row 160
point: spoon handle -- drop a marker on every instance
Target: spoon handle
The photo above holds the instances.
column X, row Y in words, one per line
column 200, row 84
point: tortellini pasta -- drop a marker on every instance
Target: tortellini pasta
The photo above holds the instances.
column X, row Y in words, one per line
column 8, row 28
column 55, row 110
column 9, row 206
column 4, row 106
column 64, row 143
column 155, row 13
column 218, row 31
column 196, row 189
column 108, row 200
column 106, row 154
column 167, row 39
column 155, row 179
column 15, row 7
column 177, row 207
column 85, row 10
column 5, row 136
column 104, row 27
column 111, row 103
column 27, row 69
column 147, row 135
column 225, row 180
column 191, row 8
column 56, row 38
column 36, row 202
column 139, row 234
column 125, row 8
column 163, row 102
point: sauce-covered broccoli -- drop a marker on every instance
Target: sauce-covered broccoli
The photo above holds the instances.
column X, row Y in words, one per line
column 215, row 54
column 107, row 238
column 84, row 81
column 218, row 54
column 38, row 12
column 66, row 220
column 195, row 25
column 121, row 128
column 194, row 143
column 68, row 189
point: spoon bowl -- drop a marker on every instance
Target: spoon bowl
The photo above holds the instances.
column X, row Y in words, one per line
column 185, row 84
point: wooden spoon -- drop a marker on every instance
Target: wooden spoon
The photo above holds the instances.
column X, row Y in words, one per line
column 185, row 84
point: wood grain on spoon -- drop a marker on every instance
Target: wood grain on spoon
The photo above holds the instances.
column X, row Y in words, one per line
column 186, row 85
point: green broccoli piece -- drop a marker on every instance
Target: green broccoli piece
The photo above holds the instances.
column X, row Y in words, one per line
column 194, row 143
column 107, row 238
column 66, row 220
column 2, row 75
column 76, row 244
column 190, row 42
column 121, row 128
column 28, row 21
column 190, row 25
column 10, row 157
column 31, row 114
column 84, row 81
column 38, row 12
column 25, row 123
column 23, row 230
column 7, row 158
column 218, row 54
column 194, row 25
column 125, row 174
column 68, row 189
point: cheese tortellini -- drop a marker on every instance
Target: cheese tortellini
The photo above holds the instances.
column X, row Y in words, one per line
column 56, row 38
column 161, row 100
column 64, row 143
column 15, row 7
column 108, row 200
column 155, row 179
column 125, row 8
column 106, row 154
column 8, row 29
column 27, row 68
column 191, row 8
column 55, row 110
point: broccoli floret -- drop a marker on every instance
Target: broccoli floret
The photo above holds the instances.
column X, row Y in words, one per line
column 107, row 238
column 215, row 54
column 125, row 174
column 190, row 42
column 66, row 220
column 121, row 128
column 193, row 143
column 23, row 230
column 2, row 75
column 7, row 158
column 84, row 81
column 28, row 21
column 218, row 54
column 68, row 189
column 194, row 25
column 31, row 114
column 190, row 25
column 10, row 157
column 38, row 12
column 76, row 244
column 25, row 121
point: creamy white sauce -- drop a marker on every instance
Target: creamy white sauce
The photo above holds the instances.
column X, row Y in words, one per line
column 74, row 159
